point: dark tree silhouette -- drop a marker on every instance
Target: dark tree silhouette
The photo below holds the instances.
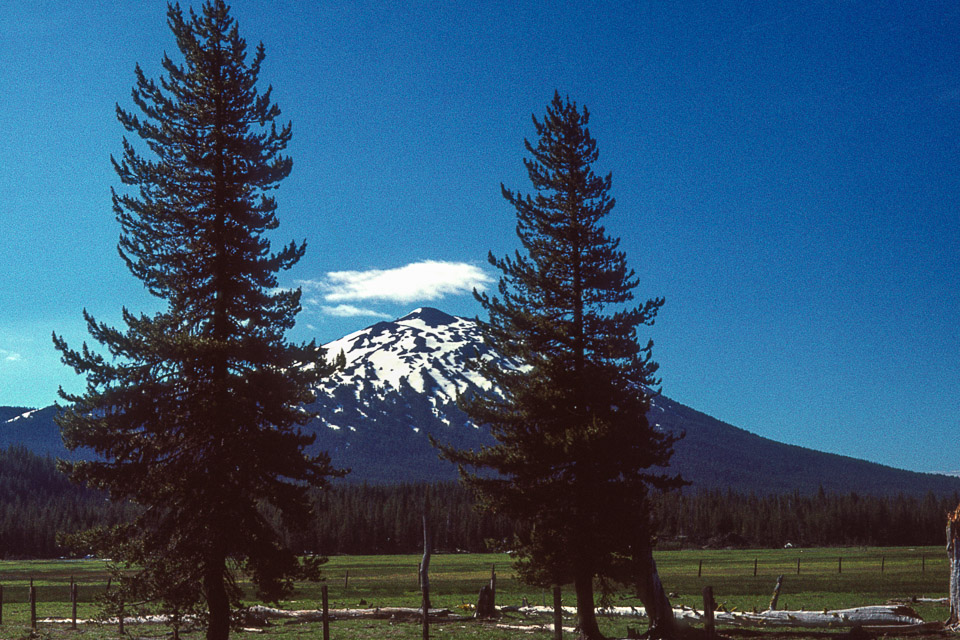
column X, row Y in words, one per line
column 196, row 415
column 576, row 454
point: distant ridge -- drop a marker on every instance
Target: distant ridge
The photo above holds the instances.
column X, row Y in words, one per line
column 33, row 429
column 401, row 383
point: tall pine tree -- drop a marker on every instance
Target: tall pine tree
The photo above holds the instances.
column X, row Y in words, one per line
column 196, row 413
column 575, row 454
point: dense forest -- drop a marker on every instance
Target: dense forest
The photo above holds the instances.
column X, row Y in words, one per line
column 366, row 519
column 721, row 519
column 37, row 502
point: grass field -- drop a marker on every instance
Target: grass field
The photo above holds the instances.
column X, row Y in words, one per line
column 827, row 578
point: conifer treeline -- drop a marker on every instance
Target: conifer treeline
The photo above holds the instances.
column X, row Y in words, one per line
column 365, row 519
column 357, row 519
column 721, row 518
column 37, row 502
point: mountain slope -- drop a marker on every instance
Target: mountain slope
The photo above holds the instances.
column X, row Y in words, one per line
column 34, row 429
column 401, row 381
column 717, row 455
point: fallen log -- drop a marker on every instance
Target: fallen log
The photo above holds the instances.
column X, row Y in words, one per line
column 920, row 600
column 886, row 617
column 532, row 628
column 260, row 615
column 878, row 615
column 377, row 613
column 151, row 619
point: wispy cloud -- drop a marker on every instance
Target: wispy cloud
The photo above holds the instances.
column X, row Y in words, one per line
column 350, row 311
column 9, row 356
column 419, row 281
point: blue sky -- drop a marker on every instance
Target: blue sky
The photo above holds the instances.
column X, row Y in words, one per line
column 786, row 176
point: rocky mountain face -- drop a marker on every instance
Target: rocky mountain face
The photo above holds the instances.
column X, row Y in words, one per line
column 401, row 382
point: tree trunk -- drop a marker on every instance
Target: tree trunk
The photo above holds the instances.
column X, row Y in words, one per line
column 586, row 613
column 953, row 551
column 218, row 603
column 655, row 601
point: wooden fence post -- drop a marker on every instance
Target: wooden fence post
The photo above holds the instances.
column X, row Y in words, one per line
column 708, row 607
column 326, row 613
column 346, row 579
column 120, row 619
column 754, row 567
column 73, row 604
column 883, row 561
column 798, row 566
column 840, row 564
column 425, row 575
column 557, row 613
column 33, row 606
column 700, row 569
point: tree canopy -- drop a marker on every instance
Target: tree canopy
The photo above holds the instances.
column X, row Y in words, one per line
column 575, row 453
column 196, row 412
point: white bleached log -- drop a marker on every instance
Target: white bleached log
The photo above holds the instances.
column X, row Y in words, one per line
column 258, row 613
column 894, row 617
column 532, row 628
column 919, row 600
column 378, row 613
column 879, row 615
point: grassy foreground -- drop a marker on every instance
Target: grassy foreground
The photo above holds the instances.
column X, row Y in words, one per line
column 827, row 578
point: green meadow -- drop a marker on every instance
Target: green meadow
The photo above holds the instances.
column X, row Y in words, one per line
column 741, row 579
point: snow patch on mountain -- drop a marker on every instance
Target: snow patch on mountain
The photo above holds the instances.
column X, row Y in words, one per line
column 22, row 416
column 427, row 350
column 400, row 384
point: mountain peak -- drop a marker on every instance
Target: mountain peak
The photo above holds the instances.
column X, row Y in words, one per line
column 426, row 350
column 429, row 316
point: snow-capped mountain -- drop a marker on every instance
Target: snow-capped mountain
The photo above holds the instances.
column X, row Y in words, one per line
column 400, row 384
column 402, row 378
column 426, row 352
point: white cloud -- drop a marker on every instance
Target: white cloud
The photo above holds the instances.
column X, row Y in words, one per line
column 418, row 281
column 9, row 356
column 349, row 311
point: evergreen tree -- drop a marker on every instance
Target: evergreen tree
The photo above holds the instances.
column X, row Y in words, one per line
column 575, row 454
column 196, row 415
